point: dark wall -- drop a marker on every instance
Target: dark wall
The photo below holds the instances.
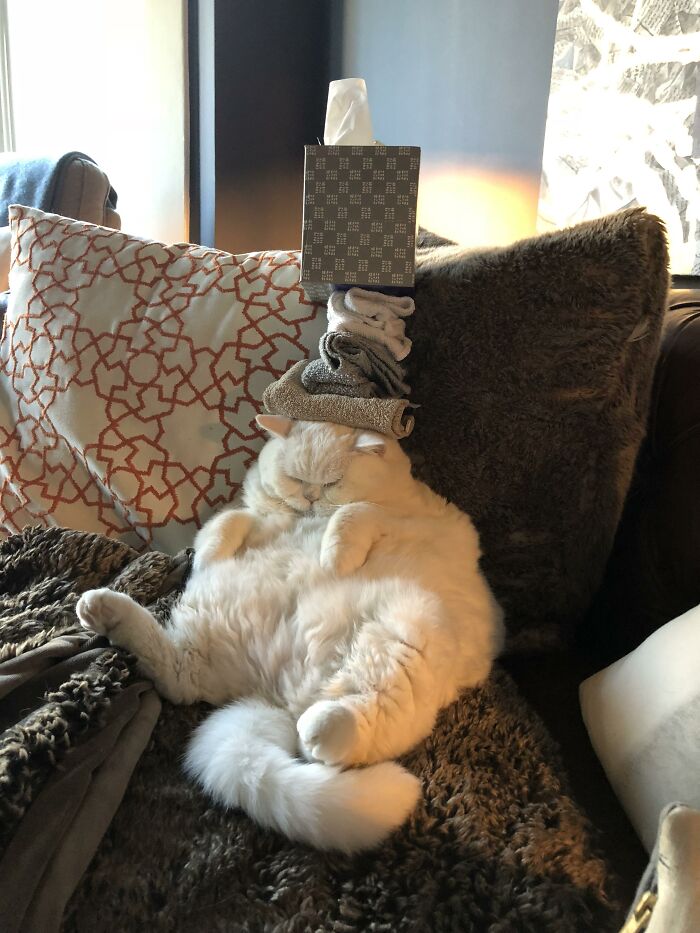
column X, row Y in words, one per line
column 271, row 73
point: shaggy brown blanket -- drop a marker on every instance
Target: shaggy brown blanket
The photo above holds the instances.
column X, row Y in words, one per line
column 496, row 844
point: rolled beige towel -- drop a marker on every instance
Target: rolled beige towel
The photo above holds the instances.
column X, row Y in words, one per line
column 287, row 396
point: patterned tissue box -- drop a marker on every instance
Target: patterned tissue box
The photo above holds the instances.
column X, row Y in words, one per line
column 359, row 223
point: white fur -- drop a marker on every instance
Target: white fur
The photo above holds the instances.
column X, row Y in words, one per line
column 243, row 755
column 342, row 606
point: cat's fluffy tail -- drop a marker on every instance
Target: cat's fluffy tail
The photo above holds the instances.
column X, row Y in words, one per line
column 244, row 756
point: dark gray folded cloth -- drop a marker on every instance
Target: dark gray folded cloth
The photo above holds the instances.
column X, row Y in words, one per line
column 356, row 366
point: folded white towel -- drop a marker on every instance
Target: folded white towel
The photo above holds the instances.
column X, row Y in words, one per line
column 376, row 319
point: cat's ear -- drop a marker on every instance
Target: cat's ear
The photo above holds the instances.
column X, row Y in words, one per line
column 275, row 424
column 370, row 443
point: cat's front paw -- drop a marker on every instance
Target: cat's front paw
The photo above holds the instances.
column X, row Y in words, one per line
column 102, row 610
column 222, row 538
column 328, row 733
column 341, row 558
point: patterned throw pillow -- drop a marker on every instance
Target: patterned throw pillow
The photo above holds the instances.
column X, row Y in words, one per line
column 131, row 373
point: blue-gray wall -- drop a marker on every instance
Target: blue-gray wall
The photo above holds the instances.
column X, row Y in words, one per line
column 460, row 78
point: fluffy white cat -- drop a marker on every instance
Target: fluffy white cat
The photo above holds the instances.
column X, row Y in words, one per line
column 339, row 609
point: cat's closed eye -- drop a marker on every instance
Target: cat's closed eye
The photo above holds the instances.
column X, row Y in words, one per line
column 303, row 482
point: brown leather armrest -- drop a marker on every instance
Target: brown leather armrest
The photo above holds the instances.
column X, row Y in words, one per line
column 83, row 192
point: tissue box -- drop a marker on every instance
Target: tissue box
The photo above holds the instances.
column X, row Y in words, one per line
column 359, row 224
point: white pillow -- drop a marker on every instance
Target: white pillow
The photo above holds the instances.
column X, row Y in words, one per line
column 131, row 373
column 643, row 716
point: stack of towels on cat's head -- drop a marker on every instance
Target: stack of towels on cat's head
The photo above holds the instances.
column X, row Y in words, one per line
column 359, row 379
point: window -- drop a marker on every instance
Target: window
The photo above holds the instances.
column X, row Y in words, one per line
column 108, row 78
column 623, row 125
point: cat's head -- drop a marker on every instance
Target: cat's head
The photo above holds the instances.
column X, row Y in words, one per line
column 317, row 466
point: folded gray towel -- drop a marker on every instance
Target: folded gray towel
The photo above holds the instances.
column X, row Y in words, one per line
column 353, row 365
column 287, row 396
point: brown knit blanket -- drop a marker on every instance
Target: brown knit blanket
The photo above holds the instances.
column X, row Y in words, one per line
column 496, row 844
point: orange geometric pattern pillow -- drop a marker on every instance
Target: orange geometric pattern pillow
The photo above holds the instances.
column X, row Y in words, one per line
column 131, row 373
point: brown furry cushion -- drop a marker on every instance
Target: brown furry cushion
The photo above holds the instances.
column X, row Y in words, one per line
column 532, row 365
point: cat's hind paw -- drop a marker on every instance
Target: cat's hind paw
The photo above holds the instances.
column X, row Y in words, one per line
column 328, row 732
column 102, row 610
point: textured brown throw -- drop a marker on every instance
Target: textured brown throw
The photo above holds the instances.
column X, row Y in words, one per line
column 496, row 843
column 74, row 717
column 533, row 367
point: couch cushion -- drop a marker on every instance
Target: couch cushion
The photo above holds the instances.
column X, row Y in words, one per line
column 131, row 373
column 532, row 366
column 654, row 572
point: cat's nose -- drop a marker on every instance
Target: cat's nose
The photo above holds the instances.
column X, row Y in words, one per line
column 312, row 492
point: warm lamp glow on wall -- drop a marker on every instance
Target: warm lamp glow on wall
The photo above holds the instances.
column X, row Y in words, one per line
column 476, row 206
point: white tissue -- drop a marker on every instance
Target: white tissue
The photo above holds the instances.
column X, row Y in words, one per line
column 348, row 120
